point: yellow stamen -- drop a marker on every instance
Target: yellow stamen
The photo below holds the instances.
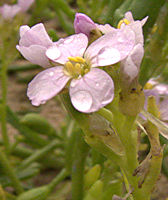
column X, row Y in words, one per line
column 148, row 86
column 86, row 71
column 78, row 68
column 69, row 67
column 125, row 21
column 77, row 59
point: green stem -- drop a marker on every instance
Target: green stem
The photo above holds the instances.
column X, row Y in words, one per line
column 63, row 5
column 129, row 142
column 61, row 176
column 10, row 172
column 39, row 154
column 156, row 150
column 67, row 28
column 124, row 126
column 79, row 157
column 4, row 98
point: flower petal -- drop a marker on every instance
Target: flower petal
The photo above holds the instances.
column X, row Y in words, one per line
column 128, row 16
column 36, row 35
column 9, row 11
column 92, row 92
column 143, row 21
column 72, row 46
column 25, row 4
column 105, row 28
column 46, row 85
column 137, row 28
column 23, row 29
column 35, row 54
column 130, row 66
column 164, row 109
column 161, row 89
column 120, row 41
column 83, row 24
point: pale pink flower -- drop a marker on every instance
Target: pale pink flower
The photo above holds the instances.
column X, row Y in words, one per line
column 131, row 64
column 33, row 44
column 25, row 4
column 160, row 92
column 9, row 11
column 90, row 88
column 83, row 24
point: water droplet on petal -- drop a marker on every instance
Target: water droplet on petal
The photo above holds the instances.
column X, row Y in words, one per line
column 53, row 53
column 120, row 39
column 108, row 55
column 51, row 73
column 82, row 101
column 68, row 40
column 73, row 83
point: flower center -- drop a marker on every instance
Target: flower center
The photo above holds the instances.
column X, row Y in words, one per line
column 76, row 67
column 123, row 21
column 148, row 86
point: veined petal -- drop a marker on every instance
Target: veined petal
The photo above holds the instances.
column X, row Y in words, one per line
column 23, row 29
column 72, row 46
column 136, row 26
column 46, row 85
column 36, row 35
column 121, row 42
column 129, row 17
column 92, row 92
column 35, row 54
column 105, row 28
column 130, row 66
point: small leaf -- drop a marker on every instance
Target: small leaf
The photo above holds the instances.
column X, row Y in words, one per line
column 163, row 128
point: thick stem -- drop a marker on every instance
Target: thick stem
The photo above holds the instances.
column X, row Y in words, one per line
column 124, row 126
column 79, row 157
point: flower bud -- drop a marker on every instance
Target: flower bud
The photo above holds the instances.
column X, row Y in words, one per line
column 132, row 103
column 84, row 24
column 92, row 175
